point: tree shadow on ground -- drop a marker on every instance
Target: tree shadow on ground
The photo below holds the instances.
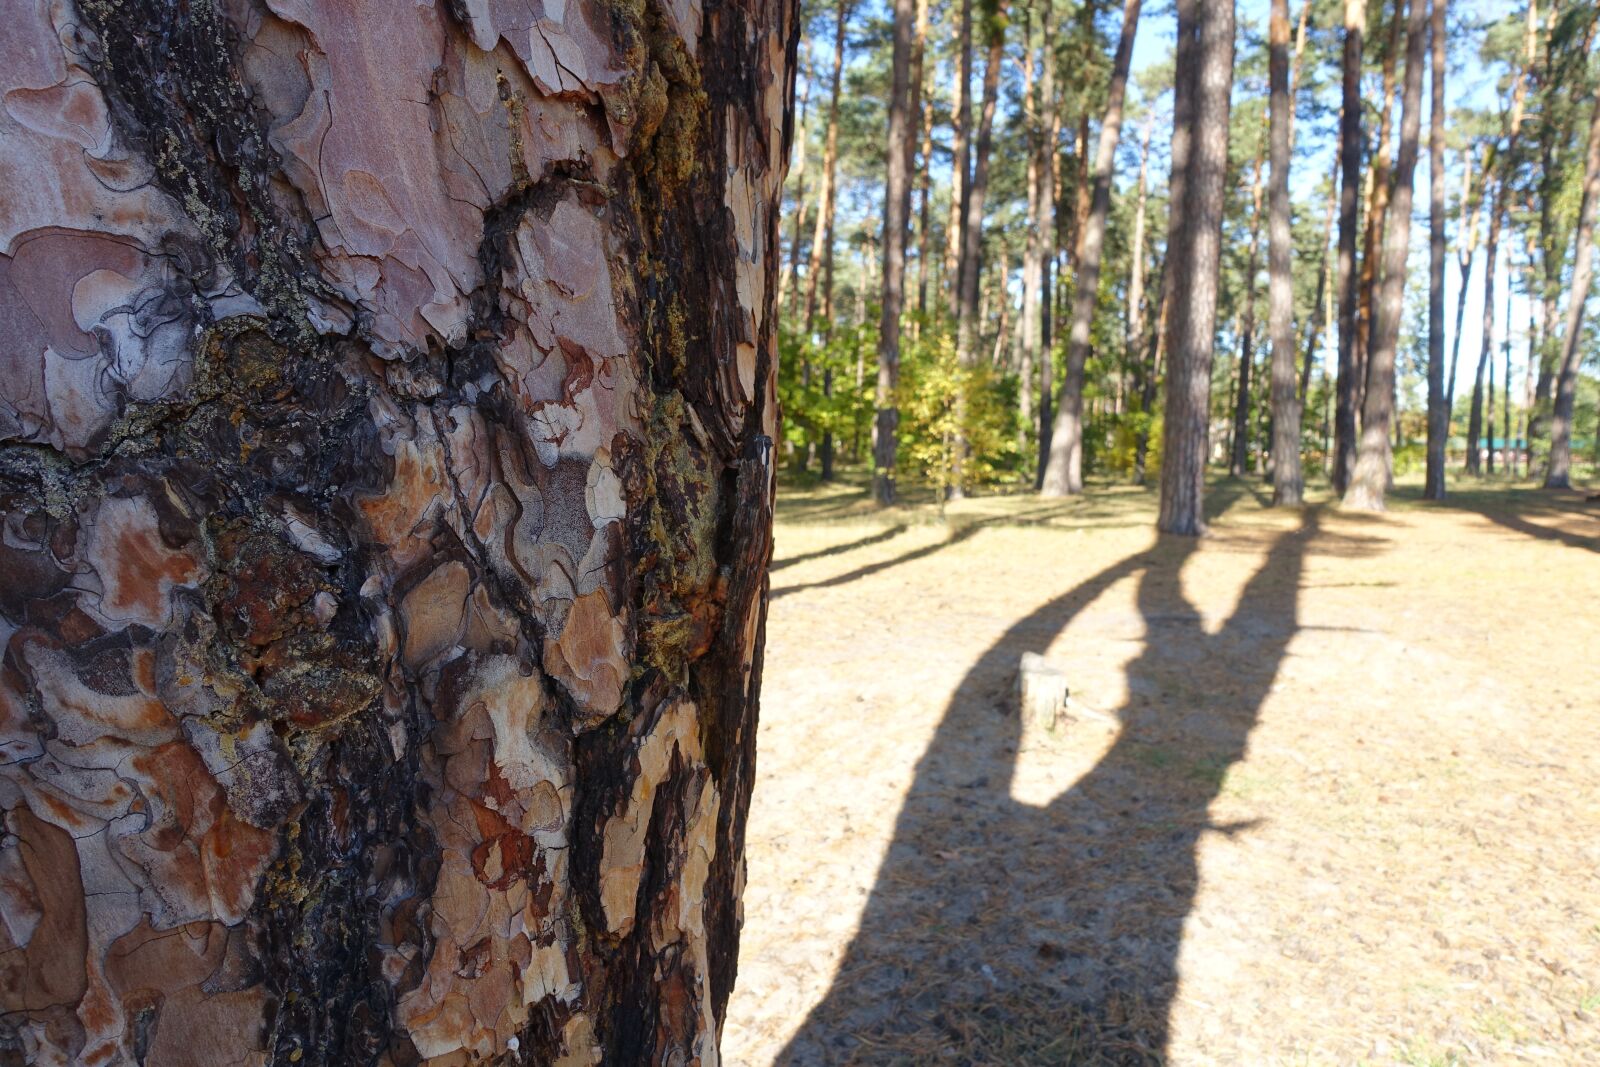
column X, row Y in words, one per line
column 1546, row 514
column 887, row 534
column 998, row 932
column 961, row 529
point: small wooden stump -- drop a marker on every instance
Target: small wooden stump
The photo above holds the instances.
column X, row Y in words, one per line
column 1041, row 691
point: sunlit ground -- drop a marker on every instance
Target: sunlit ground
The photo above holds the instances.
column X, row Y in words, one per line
column 1331, row 794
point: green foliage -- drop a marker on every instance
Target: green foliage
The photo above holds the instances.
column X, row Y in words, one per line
column 817, row 385
column 939, row 399
column 1410, row 458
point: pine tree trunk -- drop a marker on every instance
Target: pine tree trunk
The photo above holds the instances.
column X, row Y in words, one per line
column 1488, row 430
column 896, row 219
column 1032, row 311
column 1438, row 401
column 1064, row 472
column 960, row 157
column 1559, row 473
column 924, row 175
column 1319, row 318
column 1048, row 228
column 1136, row 269
column 1465, row 255
column 788, row 290
column 1134, row 340
column 385, row 560
column 1350, row 149
column 1374, row 458
column 1204, row 82
column 1286, row 480
column 1379, row 190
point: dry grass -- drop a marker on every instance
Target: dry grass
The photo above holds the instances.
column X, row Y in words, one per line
column 1350, row 814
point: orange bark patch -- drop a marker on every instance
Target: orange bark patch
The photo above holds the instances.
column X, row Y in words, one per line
column 137, row 570
column 589, row 658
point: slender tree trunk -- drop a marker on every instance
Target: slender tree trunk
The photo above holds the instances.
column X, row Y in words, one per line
column 1529, row 415
column 1554, row 252
column 1134, row 342
column 1287, row 485
column 1064, row 471
column 1373, row 462
column 1558, row 475
column 1151, row 378
column 1491, row 251
column 1497, row 214
column 383, row 688
column 1239, row 440
column 924, row 176
column 1048, row 230
column 960, row 158
column 1379, row 191
column 969, row 326
column 1438, row 402
column 1509, row 454
column 969, row 329
column 1350, row 146
column 1199, row 164
column 1319, row 315
column 896, row 216
column 788, row 290
column 822, row 238
column 1488, row 427
column 1465, row 256
column 1032, row 311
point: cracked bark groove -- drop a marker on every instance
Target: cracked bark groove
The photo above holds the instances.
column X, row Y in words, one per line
column 386, row 479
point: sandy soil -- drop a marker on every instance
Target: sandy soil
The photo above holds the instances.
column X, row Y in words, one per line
column 1331, row 792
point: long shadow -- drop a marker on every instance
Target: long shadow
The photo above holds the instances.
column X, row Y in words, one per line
column 888, row 534
column 959, row 533
column 1515, row 510
column 998, row 932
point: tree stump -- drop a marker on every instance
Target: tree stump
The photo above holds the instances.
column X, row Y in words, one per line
column 1041, row 691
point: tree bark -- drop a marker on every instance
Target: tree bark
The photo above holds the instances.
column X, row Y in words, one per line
column 1287, row 485
column 1374, row 460
column 384, row 595
column 1379, row 191
column 1204, row 83
column 924, row 177
column 1064, row 473
column 1558, row 475
column 896, row 219
column 1350, row 146
column 960, row 158
column 1438, row 401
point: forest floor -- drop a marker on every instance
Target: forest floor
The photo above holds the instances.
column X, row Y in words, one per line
column 1329, row 793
